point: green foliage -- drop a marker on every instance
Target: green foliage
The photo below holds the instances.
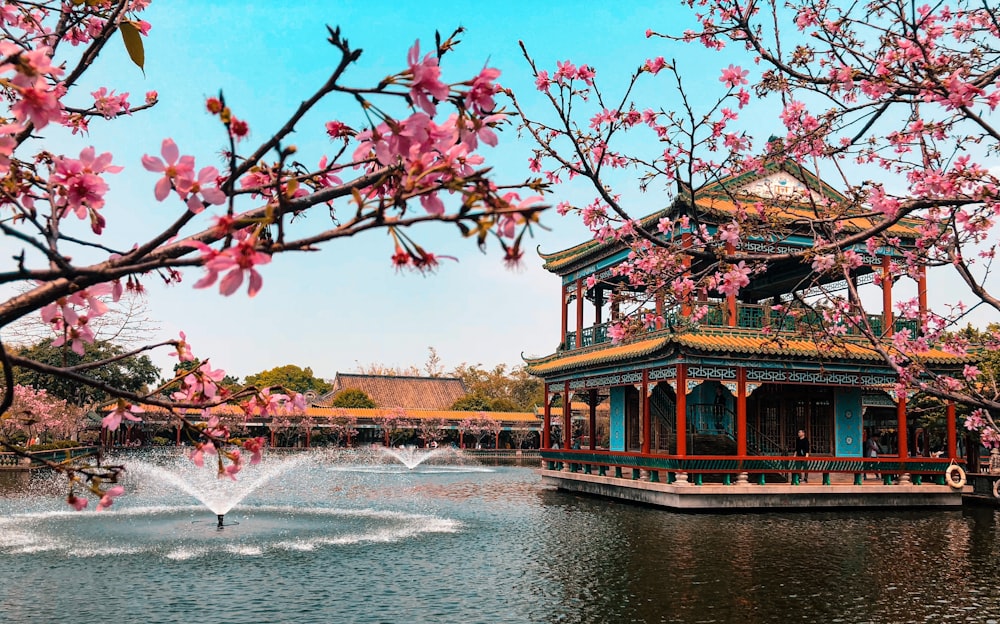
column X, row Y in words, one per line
column 291, row 378
column 513, row 391
column 133, row 43
column 473, row 403
column 478, row 402
column 132, row 374
column 352, row 397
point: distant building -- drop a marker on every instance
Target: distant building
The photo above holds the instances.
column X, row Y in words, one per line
column 416, row 408
column 387, row 391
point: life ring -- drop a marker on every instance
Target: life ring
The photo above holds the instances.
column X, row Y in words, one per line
column 996, row 489
column 956, row 477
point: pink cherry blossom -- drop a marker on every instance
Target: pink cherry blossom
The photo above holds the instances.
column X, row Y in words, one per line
column 81, row 187
column 239, row 259
column 198, row 454
column 109, row 497
column 78, row 503
column 38, row 103
column 255, row 447
column 110, row 105
column 734, row 76
column 123, row 410
column 202, row 190
column 177, row 170
column 426, row 81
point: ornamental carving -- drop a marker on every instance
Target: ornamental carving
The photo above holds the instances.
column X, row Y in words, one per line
column 669, row 372
column 711, row 372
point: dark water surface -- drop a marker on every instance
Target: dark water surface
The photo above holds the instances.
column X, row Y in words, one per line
column 332, row 542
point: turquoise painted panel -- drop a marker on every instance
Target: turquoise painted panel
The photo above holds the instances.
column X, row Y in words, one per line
column 617, row 418
column 847, row 426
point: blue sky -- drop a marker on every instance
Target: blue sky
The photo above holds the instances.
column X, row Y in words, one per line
column 346, row 305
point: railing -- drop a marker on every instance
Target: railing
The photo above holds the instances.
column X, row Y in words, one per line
column 758, row 468
column 710, row 418
column 760, row 444
column 748, row 316
column 596, row 334
column 13, row 460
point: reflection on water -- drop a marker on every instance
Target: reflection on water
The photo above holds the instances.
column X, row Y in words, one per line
column 513, row 551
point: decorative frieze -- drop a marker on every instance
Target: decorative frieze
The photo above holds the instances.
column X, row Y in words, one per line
column 606, row 381
column 820, row 378
column 711, row 372
column 669, row 372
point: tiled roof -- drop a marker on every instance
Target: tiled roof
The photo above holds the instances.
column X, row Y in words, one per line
column 715, row 198
column 436, row 393
column 595, row 355
column 721, row 341
column 791, row 212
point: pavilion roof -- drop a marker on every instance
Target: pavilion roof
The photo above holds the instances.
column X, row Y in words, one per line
column 720, row 199
column 721, row 341
column 387, row 391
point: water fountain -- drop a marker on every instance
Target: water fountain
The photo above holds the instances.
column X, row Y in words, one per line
column 218, row 495
column 412, row 457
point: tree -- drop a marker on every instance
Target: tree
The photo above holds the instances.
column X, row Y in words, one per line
column 498, row 390
column 343, row 426
column 105, row 362
column 473, row 402
column 36, row 413
column 520, row 436
column 395, row 426
column 431, row 430
column 353, row 398
column 894, row 102
column 411, row 159
column 479, row 427
column 290, row 377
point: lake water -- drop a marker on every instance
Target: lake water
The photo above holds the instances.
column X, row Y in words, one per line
column 330, row 540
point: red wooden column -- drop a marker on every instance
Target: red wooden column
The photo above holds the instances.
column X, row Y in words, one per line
column 741, row 411
column 547, row 417
column 952, row 449
column 567, row 418
column 681, row 406
column 659, row 310
column 565, row 313
column 886, row 298
column 579, row 313
column 901, row 427
column 593, row 419
column 644, row 418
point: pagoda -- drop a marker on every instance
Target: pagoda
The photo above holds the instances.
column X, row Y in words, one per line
column 704, row 404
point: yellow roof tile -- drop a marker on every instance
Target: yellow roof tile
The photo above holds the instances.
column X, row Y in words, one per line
column 725, row 341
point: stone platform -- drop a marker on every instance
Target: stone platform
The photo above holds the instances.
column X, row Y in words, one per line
column 840, row 493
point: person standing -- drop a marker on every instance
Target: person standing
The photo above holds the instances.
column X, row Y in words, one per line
column 871, row 450
column 802, row 449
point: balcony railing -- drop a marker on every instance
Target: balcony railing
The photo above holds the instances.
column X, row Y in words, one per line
column 748, row 316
